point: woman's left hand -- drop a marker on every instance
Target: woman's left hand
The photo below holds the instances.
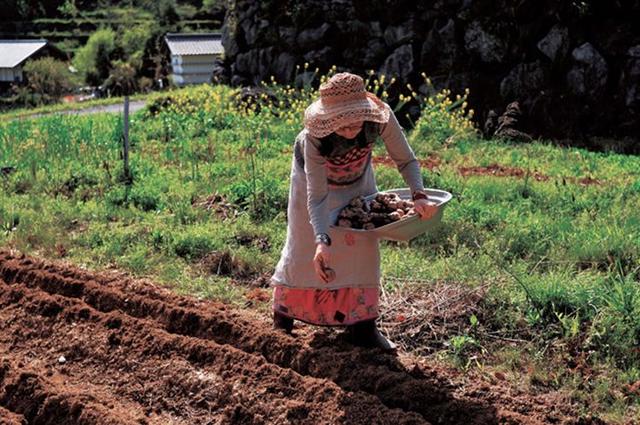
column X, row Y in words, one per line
column 425, row 208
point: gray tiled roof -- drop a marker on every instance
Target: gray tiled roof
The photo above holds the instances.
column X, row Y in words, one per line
column 194, row 44
column 14, row 52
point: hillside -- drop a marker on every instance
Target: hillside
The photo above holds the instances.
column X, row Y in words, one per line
column 69, row 27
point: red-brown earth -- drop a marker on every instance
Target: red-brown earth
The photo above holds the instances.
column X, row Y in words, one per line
column 80, row 347
column 495, row 170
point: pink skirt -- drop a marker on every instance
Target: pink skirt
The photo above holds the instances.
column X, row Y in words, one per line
column 327, row 307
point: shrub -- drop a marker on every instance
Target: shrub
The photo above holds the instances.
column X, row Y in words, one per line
column 48, row 79
column 441, row 118
column 122, row 79
column 117, row 196
column 145, row 198
column 193, row 246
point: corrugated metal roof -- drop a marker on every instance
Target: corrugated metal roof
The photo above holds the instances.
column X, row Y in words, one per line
column 14, row 52
column 195, row 44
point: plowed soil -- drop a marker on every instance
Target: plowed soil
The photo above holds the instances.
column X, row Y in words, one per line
column 79, row 347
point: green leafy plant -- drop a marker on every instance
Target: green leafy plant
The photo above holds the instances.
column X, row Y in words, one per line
column 461, row 347
column 48, row 80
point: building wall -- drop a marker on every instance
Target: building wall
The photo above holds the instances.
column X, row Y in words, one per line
column 11, row 74
column 192, row 69
column 191, row 79
column 193, row 59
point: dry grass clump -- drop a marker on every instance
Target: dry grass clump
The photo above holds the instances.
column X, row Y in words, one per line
column 421, row 319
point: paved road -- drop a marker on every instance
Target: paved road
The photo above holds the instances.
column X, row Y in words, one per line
column 115, row 108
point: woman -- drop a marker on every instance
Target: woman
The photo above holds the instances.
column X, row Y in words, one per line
column 314, row 281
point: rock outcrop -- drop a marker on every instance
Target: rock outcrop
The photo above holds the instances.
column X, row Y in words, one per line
column 573, row 67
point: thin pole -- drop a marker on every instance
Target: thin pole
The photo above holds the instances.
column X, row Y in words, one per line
column 126, row 139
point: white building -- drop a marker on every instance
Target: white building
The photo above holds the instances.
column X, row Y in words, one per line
column 13, row 53
column 193, row 56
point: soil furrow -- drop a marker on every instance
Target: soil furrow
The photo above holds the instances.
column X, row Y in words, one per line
column 227, row 381
column 353, row 369
column 8, row 417
column 437, row 395
column 42, row 400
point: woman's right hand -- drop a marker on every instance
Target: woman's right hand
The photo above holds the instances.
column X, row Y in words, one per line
column 321, row 263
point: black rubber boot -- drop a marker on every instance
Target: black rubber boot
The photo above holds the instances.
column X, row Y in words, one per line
column 367, row 334
column 281, row 321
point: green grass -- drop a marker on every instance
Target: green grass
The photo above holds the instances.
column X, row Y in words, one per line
column 566, row 255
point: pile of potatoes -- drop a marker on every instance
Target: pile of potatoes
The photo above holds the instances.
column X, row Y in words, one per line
column 385, row 208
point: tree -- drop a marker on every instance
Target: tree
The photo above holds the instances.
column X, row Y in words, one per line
column 69, row 8
column 94, row 58
column 166, row 12
column 134, row 41
column 48, row 79
column 213, row 6
column 122, row 80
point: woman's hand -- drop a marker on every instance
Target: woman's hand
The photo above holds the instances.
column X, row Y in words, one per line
column 321, row 263
column 425, row 208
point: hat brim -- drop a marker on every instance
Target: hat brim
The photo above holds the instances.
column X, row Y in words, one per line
column 321, row 120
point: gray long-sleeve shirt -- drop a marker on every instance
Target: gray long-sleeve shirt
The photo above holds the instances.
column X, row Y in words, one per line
column 316, row 172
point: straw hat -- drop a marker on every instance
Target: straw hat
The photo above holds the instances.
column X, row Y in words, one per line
column 343, row 101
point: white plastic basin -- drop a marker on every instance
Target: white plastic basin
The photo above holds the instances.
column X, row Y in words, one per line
column 406, row 228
